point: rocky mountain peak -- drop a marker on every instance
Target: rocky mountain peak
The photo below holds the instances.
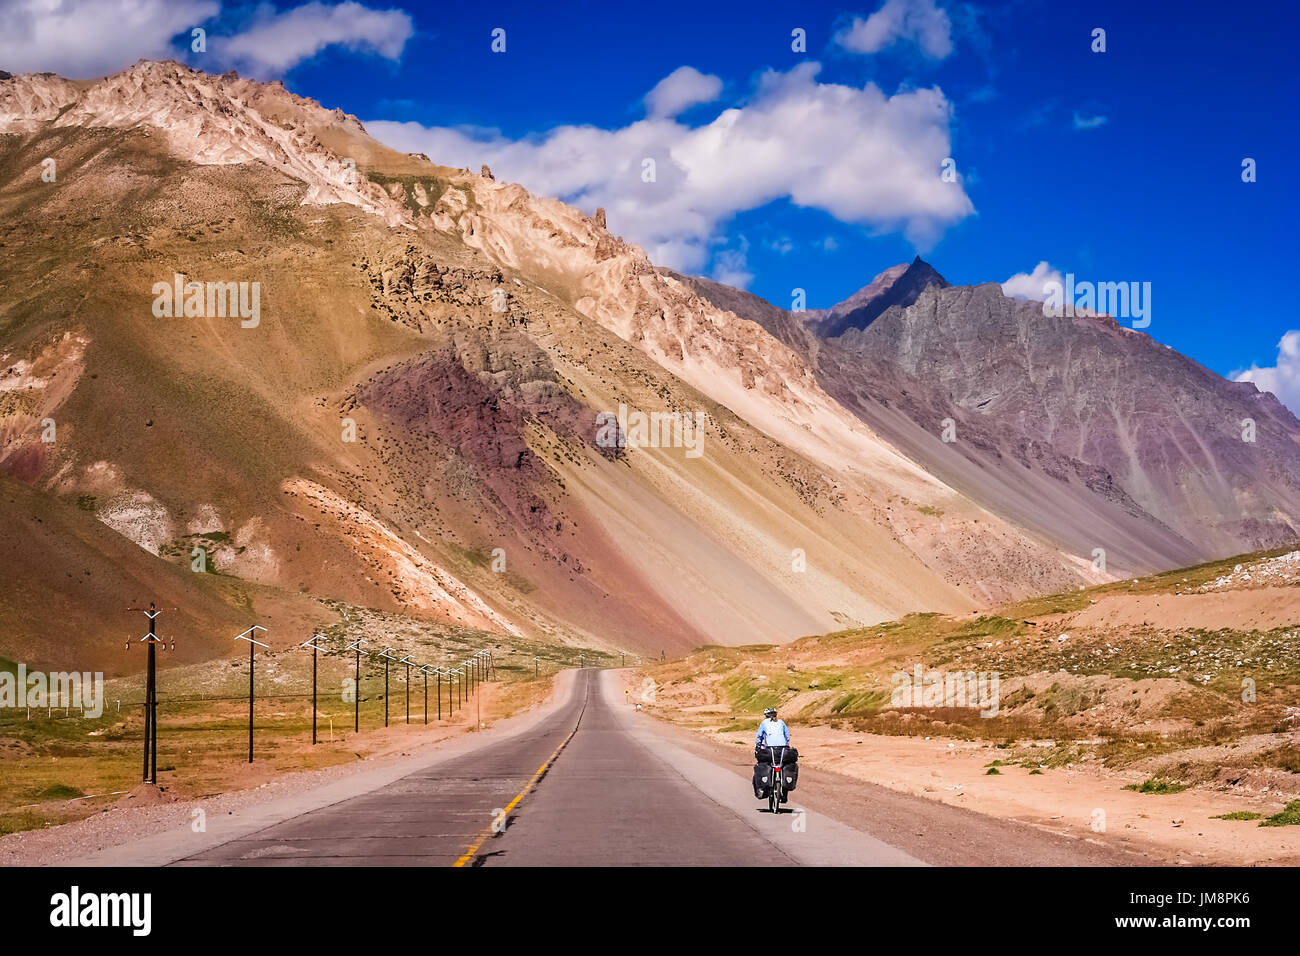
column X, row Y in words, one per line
column 899, row 285
column 207, row 120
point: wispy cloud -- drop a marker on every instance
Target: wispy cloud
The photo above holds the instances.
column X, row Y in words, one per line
column 275, row 41
column 681, row 89
column 731, row 266
column 1089, row 122
column 921, row 22
column 1039, row 115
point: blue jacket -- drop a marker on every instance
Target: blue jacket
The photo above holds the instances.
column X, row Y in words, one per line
column 772, row 733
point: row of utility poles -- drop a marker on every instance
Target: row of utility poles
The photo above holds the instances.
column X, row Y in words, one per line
column 462, row 681
column 474, row 670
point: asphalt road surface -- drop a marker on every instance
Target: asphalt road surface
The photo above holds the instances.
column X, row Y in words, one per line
column 594, row 783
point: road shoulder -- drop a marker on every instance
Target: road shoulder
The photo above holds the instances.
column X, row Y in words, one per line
column 157, row 836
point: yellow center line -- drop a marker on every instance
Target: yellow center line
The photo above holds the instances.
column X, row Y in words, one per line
column 489, row 829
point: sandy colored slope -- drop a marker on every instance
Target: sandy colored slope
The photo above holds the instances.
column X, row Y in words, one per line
column 1259, row 610
column 73, row 589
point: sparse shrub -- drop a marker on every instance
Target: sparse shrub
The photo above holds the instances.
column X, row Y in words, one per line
column 1157, row 785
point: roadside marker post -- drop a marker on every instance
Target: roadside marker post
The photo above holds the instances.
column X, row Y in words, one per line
column 250, row 636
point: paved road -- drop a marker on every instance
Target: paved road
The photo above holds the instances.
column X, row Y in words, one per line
column 615, row 794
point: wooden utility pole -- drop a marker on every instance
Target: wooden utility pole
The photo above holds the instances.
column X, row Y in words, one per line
column 356, row 686
column 314, row 648
column 150, row 774
column 250, row 636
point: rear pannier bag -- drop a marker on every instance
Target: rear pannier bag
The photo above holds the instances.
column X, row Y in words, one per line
column 791, row 773
column 762, row 781
column 764, row 755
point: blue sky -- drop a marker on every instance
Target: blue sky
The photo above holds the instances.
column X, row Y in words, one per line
column 1116, row 166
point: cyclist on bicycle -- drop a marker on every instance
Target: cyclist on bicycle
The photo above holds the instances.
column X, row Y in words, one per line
column 772, row 732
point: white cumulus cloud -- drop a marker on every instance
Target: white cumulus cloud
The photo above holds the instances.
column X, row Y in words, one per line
column 921, row 22
column 1282, row 379
column 81, row 39
column 681, row 89
column 861, row 155
column 1030, row 285
column 273, row 42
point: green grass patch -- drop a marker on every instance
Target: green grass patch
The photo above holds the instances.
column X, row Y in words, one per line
column 21, row 820
column 1239, row 815
column 746, row 694
column 1157, row 785
column 1288, row 817
column 59, row 791
column 862, row 702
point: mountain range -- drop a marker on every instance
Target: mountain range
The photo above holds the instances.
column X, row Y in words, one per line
column 412, row 423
